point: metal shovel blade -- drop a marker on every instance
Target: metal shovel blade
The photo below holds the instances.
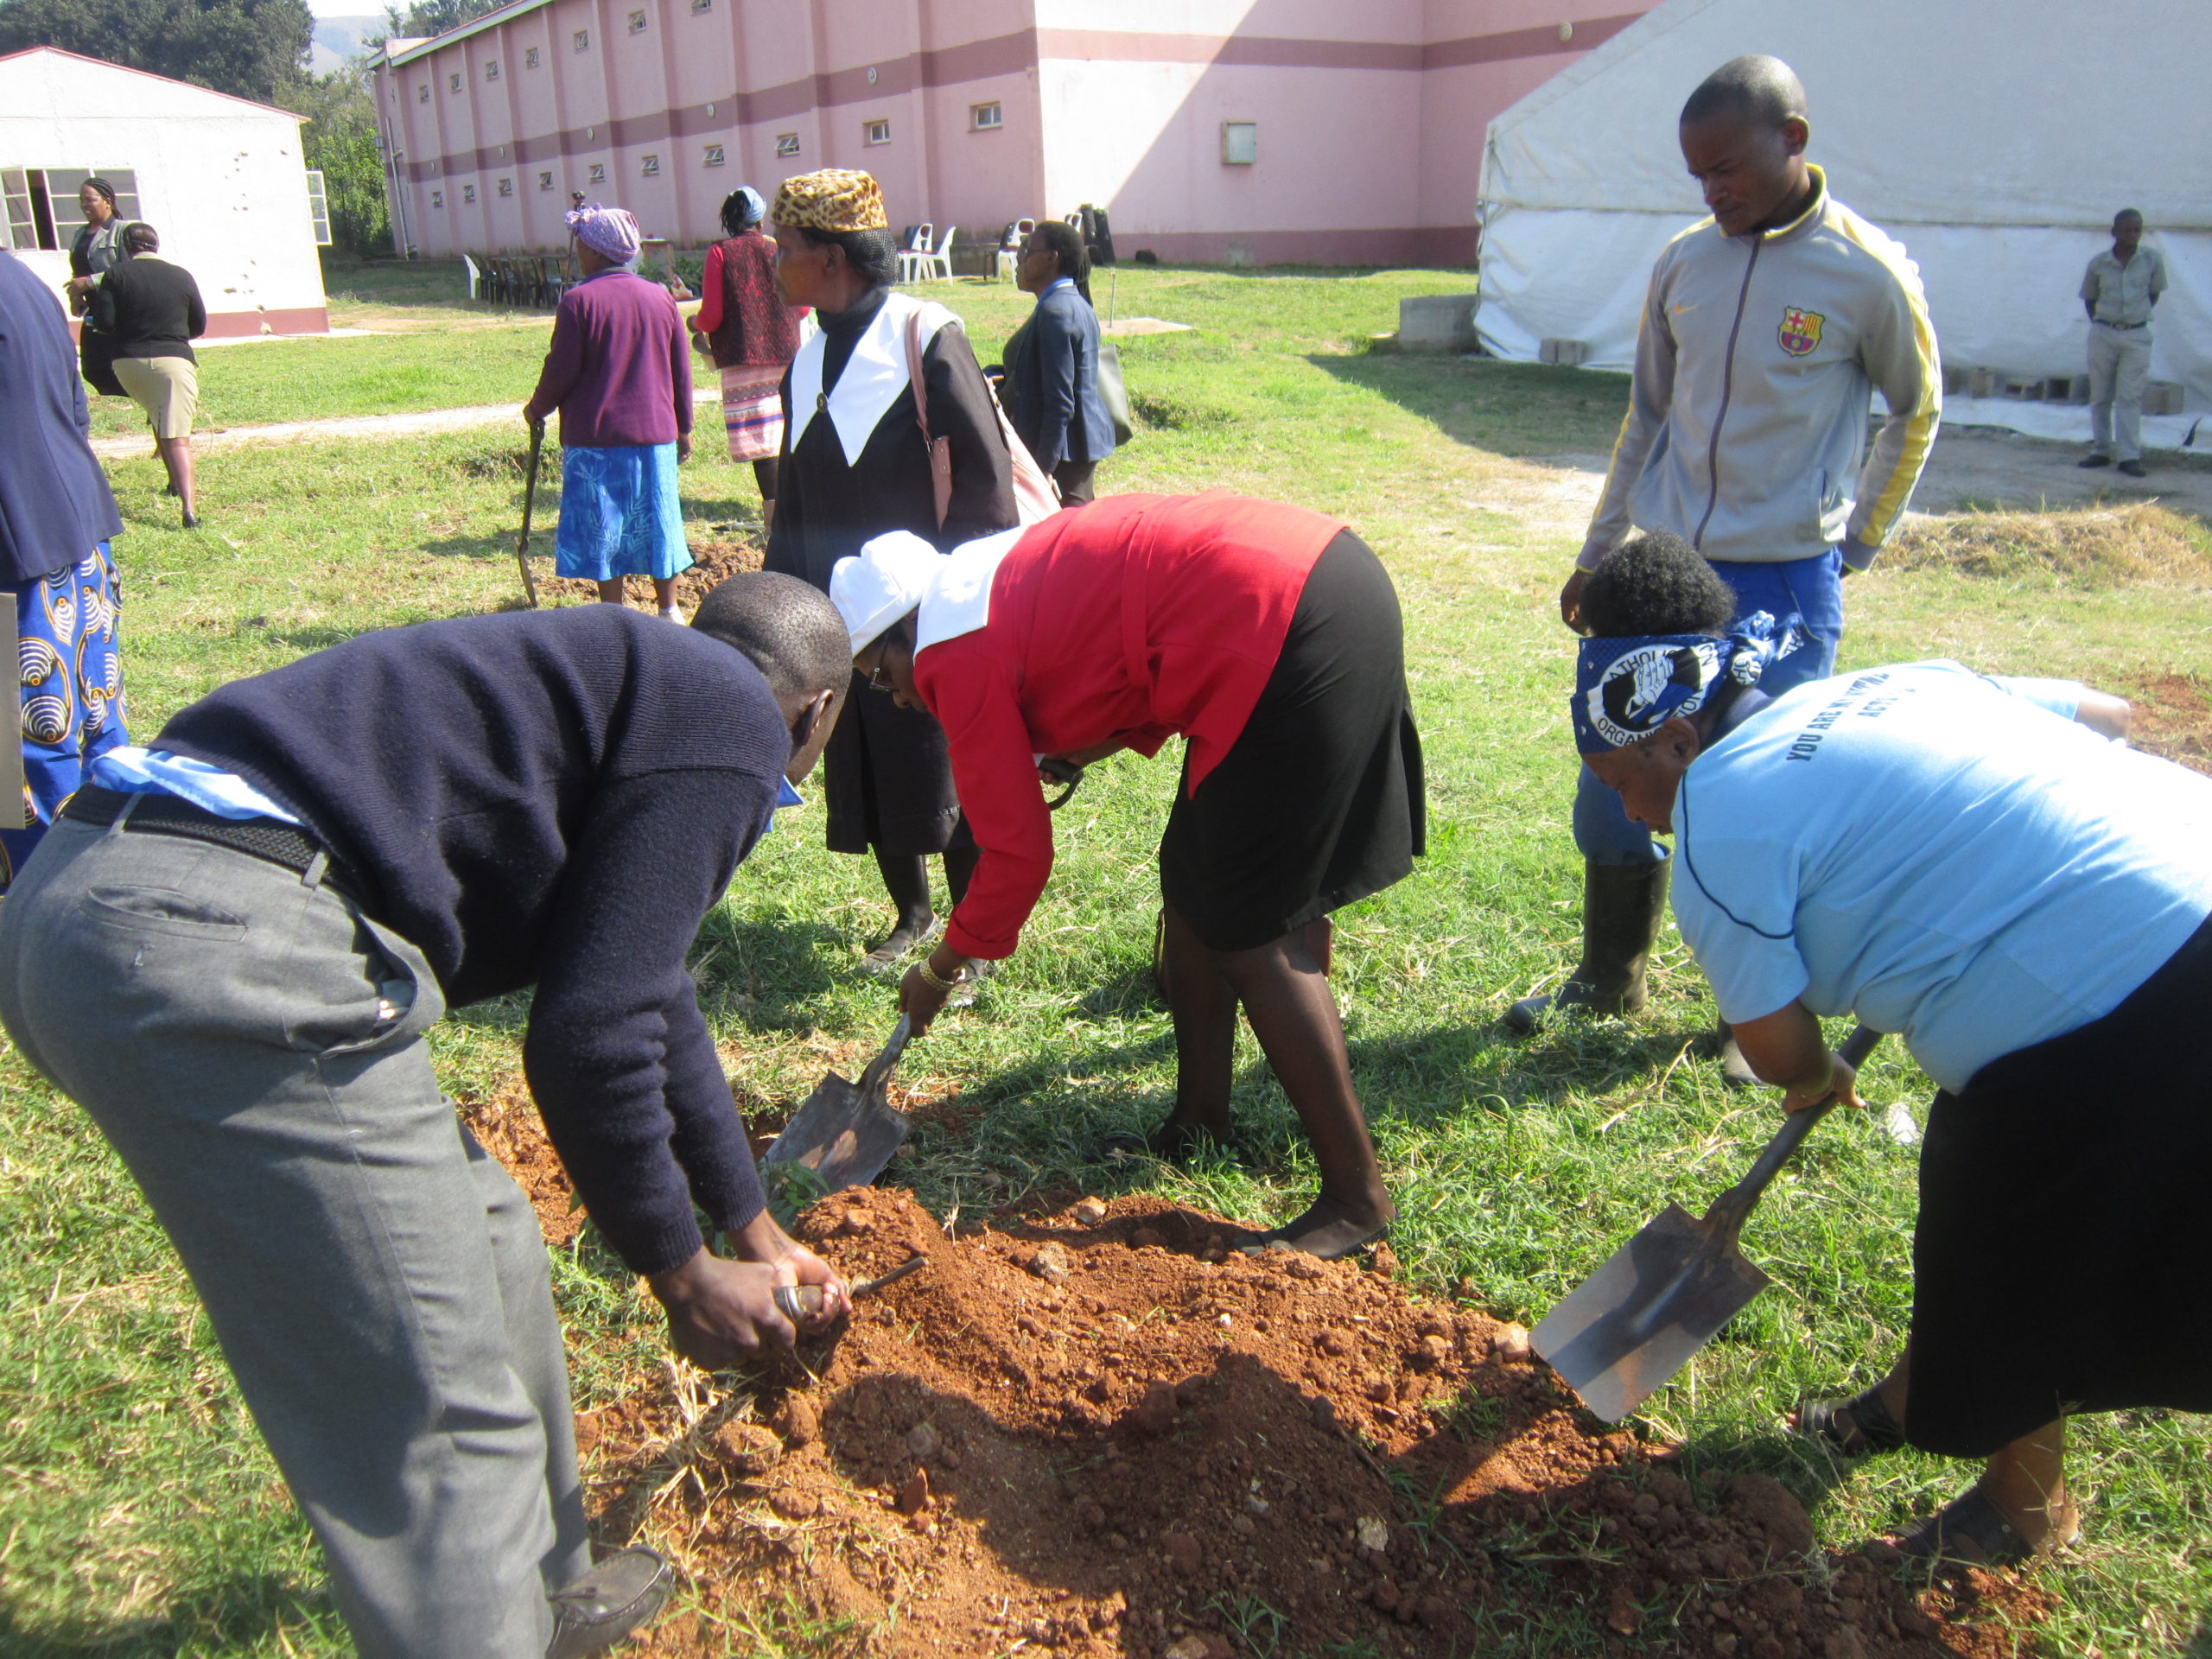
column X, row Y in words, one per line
column 847, row 1131
column 1630, row 1326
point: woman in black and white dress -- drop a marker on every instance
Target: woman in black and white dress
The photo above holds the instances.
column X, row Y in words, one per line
column 856, row 464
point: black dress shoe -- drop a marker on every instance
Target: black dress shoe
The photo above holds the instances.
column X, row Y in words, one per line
column 2095, row 461
column 2132, row 469
column 622, row 1594
column 192, row 521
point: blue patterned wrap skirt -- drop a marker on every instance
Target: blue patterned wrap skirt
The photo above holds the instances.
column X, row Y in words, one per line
column 71, row 685
column 620, row 515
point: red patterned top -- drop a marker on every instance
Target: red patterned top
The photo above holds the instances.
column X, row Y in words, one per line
column 741, row 316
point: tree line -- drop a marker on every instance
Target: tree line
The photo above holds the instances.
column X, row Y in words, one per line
column 254, row 49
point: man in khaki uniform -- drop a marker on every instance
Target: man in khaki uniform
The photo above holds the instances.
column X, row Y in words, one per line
column 2117, row 290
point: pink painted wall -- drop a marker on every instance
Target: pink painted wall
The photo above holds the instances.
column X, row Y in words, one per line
column 1372, row 117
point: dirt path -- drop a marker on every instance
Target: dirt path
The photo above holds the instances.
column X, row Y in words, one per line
column 413, row 424
column 1974, row 469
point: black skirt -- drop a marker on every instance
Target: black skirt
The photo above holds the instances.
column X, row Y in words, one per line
column 887, row 778
column 2063, row 1262
column 1320, row 801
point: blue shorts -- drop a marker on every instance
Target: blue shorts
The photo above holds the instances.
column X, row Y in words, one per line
column 1814, row 589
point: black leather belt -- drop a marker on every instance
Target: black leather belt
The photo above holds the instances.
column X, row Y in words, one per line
column 2102, row 323
column 272, row 840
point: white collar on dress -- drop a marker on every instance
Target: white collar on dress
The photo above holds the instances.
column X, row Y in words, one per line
column 958, row 598
column 874, row 378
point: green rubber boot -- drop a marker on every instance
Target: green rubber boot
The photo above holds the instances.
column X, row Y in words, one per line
column 1622, row 908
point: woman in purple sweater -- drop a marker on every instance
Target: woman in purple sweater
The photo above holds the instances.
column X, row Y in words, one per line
column 619, row 373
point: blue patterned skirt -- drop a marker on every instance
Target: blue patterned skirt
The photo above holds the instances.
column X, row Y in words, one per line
column 620, row 515
column 72, row 690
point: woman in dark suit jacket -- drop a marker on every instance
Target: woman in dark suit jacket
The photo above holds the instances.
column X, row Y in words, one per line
column 1051, row 364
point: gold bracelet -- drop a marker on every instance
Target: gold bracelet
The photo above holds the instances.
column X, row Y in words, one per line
column 936, row 981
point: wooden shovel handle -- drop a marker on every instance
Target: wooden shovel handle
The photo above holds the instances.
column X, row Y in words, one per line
column 1729, row 1210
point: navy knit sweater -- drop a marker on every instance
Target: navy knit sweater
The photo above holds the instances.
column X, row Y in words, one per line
column 550, row 798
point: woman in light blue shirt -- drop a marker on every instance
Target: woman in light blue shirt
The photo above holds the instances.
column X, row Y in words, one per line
column 1984, row 867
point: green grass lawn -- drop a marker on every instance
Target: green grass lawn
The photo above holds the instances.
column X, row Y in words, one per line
column 142, row 1517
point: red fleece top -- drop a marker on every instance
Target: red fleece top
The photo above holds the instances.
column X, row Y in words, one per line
column 1136, row 618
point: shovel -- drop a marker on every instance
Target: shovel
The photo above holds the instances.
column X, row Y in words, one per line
column 530, row 500
column 847, row 1131
column 1629, row 1326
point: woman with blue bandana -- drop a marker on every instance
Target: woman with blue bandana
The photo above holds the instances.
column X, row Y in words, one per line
column 1984, row 867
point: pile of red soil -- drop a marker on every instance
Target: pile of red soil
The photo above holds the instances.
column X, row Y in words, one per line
column 1100, row 1433
column 711, row 562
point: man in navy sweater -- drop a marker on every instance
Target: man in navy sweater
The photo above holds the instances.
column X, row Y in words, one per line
column 228, row 951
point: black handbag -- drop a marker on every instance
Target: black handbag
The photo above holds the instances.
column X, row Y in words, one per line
column 96, row 361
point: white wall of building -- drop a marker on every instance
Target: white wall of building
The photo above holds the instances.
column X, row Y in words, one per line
column 220, row 178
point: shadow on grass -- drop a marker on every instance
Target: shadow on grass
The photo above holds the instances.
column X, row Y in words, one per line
column 1507, row 409
column 239, row 1614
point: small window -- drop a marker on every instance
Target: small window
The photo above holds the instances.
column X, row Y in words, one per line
column 530, row 58
column 437, row 198
column 490, row 68
column 703, row 5
column 423, row 93
column 582, row 39
column 598, row 172
column 713, row 154
column 651, row 166
column 545, row 180
column 468, row 192
column 452, row 81
column 787, row 143
column 506, row 186
column 318, row 207
column 637, row 22
column 875, row 132
column 1240, row 142
column 985, row 118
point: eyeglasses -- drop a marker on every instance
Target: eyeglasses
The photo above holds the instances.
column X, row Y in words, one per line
column 878, row 680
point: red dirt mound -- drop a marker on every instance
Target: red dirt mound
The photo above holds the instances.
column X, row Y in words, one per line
column 1099, row 1433
column 711, row 562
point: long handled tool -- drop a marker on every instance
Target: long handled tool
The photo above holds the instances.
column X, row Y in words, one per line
column 1629, row 1326
column 530, row 500
column 805, row 1301
column 847, row 1131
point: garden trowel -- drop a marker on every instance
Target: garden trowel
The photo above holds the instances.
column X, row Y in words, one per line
column 846, row 1133
column 1629, row 1326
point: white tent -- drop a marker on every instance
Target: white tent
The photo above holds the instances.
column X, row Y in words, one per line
column 1994, row 138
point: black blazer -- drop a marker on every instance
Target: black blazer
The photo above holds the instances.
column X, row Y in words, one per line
column 149, row 307
column 1051, row 378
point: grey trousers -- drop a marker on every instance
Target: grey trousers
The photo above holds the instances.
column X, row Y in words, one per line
column 252, row 1047
column 2120, row 367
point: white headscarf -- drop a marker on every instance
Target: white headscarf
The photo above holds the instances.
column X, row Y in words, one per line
column 882, row 584
column 900, row 572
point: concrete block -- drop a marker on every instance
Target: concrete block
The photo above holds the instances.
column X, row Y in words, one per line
column 1568, row 354
column 1436, row 322
column 2024, row 388
column 1954, row 379
column 1387, row 344
column 2162, row 397
column 1983, row 383
column 2066, row 389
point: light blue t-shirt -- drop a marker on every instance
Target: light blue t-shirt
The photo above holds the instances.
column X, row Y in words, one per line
column 1945, row 856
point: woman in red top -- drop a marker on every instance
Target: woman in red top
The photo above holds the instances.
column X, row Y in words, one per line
column 1270, row 637
column 752, row 336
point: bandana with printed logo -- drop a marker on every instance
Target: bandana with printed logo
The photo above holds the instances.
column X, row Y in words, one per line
column 1626, row 688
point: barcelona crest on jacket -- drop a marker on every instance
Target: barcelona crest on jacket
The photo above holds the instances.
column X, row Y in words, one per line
column 1800, row 330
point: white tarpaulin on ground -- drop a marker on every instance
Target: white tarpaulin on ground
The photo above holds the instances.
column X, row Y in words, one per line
column 1995, row 140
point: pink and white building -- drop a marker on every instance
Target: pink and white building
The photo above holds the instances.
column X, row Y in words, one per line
column 1218, row 130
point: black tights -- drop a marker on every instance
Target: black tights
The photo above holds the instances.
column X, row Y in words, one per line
column 906, row 878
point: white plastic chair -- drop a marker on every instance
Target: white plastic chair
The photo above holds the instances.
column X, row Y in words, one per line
column 911, row 257
column 470, row 265
column 936, row 266
column 1010, row 256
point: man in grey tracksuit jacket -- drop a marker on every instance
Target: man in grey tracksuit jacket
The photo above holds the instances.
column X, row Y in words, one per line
column 1746, row 435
